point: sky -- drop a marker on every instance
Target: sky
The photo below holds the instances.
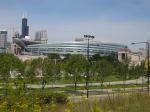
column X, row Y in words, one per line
column 117, row 21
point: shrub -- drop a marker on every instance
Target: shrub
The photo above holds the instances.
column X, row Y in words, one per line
column 53, row 98
column 60, row 97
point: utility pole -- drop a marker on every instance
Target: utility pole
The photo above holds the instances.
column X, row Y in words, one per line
column 88, row 37
column 148, row 65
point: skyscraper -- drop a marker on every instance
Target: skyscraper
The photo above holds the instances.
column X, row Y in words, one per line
column 3, row 39
column 25, row 28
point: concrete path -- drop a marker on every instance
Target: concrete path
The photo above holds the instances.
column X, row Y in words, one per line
column 138, row 81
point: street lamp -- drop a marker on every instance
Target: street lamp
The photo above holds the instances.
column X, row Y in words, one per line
column 88, row 37
column 148, row 75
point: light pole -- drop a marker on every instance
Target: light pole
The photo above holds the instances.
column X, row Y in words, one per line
column 148, row 75
column 88, row 37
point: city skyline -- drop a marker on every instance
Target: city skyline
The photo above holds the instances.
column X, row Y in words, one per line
column 113, row 21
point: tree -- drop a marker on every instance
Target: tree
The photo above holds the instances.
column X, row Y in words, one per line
column 96, row 57
column 12, row 68
column 34, row 70
column 42, row 68
column 8, row 64
column 56, row 71
column 123, row 70
column 112, row 59
column 30, row 74
column 103, row 69
column 66, row 57
column 56, row 60
column 51, row 70
column 45, row 68
column 53, row 56
column 75, row 67
column 47, row 71
column 136, row 71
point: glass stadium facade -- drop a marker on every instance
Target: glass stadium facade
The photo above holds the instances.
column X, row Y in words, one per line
column 76, row 47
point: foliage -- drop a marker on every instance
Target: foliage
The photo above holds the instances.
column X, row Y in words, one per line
column 18, row 101
column 103, row 68
column 112, row 59
column 75, row 67
column 137, row 70
column 136, row 102
column 17, row 97
column 50, row 98
column 10, row 63
column 84, row 106
column 53, row 56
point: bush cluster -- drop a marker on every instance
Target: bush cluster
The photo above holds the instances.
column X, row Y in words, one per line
column 31, row 101
column 53, row 98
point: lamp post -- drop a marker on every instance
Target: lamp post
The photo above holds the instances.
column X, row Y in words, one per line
column 148, row 75
column 88, row 37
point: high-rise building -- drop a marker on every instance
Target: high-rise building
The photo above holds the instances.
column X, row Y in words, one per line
column 41, row 36
column 3, row 41
column 25, row 28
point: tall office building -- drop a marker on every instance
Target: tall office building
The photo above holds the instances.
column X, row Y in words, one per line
column 41, row 36
column 3, row 39
column 25, row 28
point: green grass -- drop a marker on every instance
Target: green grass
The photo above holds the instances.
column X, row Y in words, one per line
column 71, row 88
column 136, row 102
column 131, row 103
column 112, row 78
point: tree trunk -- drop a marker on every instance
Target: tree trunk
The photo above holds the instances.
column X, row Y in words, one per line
column 75, row 83
column 43, row 84
column 136, row 80
column 24, row 86
column 124, row 84
column 142, row 83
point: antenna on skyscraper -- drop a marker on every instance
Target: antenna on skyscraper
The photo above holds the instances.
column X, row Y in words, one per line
column 24, row 15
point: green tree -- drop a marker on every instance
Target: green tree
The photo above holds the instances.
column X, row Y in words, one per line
column 56, row 60
column 9, row 64
column 44, row 68
column 34, row 70
column 11, row 70
column 96, row 57
column 53, row 56
column 50, row 71
column 75, row 67
column 103, row 69
column 123, row 72
column 137, row 71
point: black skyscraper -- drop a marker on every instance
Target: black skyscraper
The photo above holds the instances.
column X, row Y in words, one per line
column 25, row 27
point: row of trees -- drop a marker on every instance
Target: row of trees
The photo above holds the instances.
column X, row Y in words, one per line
column 72, row 67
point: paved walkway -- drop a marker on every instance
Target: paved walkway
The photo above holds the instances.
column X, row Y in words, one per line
column 138, row 81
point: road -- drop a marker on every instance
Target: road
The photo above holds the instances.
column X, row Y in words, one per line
column 138, row 81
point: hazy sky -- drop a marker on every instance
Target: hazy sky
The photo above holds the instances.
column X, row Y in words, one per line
column 121, row 21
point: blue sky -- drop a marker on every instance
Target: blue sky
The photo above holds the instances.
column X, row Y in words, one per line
column 121, row 21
